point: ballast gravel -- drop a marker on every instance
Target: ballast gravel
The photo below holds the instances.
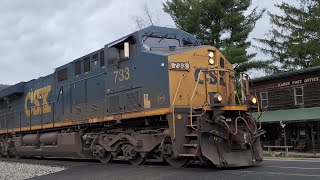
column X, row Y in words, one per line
column 18, row 170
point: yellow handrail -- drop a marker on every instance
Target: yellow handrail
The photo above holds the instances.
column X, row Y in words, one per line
column 174, row 99
column 195, row 88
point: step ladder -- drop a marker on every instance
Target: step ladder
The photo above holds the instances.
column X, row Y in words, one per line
column 192, row 145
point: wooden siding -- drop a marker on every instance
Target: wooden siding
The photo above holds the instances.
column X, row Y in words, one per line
column 282, row 97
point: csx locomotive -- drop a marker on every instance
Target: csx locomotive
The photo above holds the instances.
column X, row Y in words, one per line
column 156, row 93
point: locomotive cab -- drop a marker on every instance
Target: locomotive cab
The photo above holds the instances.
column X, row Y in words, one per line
column 208, row 117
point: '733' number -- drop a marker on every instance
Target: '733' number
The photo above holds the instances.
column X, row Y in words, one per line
column 121, row 75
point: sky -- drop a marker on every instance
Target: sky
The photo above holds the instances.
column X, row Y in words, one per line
column 37, row 36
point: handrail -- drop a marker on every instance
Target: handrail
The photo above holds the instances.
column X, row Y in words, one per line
column 195, row 88
column 173, row 115
column 258, row 104
column 22, row 110
column 191, row 108
column 18, row 113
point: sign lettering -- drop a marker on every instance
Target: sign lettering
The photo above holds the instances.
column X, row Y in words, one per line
column 299, row 81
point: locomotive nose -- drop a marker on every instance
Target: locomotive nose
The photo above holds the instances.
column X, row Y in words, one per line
column 199, row 78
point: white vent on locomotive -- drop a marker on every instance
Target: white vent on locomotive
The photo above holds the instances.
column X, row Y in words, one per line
column 126, row 50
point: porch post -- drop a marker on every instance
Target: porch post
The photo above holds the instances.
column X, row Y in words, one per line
column 313, row 141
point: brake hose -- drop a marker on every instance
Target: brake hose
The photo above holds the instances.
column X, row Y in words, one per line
column 236, row 125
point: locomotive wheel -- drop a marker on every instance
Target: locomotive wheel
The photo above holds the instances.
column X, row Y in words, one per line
column 107, row 158
column 168, row 155
column 138, row 160
column 176, row 162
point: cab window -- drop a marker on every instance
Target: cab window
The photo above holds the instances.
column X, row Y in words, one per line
column 121, row 51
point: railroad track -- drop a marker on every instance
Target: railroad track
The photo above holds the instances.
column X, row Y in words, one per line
column 65, row 162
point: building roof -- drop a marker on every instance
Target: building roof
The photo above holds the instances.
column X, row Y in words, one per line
column 290, row 115
column 285, row 74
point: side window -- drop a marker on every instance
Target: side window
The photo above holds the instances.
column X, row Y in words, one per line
column 298, row 95
column 62, row 74
column 102, row 59
column 117, row 52
column 113, row 56
column 77, row 68
column 95, row 57
column 264, row 99
column 86, row 64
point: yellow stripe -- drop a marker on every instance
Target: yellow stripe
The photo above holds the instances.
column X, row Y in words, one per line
column 227, row 108
column 92, row 120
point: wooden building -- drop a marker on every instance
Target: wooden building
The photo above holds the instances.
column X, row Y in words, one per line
column 292, row 104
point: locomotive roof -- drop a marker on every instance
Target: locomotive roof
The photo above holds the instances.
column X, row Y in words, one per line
column 157, row 29
column 17, row 88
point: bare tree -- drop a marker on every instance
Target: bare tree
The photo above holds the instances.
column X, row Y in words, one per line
column 149, row 18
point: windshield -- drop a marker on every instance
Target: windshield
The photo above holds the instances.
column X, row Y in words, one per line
column 153, row 40
column 150, row 42
column 161, row 42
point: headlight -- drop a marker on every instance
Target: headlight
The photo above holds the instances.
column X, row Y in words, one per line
column 252, row 100
column 211, row 61
column 217, row 98
column 211, row 54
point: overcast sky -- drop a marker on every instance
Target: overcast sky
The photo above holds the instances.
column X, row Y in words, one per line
column 37, row 36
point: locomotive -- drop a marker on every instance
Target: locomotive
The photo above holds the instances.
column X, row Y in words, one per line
column 156, row 93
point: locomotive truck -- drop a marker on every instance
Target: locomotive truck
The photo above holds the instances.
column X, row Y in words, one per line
column 156, row 93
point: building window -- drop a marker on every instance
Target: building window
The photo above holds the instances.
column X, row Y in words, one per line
column 77, row 68
column 298, row 95
column 264, row 99
column 63, row 74
column 86, row 64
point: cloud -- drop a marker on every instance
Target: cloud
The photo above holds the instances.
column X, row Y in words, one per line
column 38, row 36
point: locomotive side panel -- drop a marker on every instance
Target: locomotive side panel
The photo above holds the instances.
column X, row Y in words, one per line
column 138, row 85
column 38, row 103
column 153, row 75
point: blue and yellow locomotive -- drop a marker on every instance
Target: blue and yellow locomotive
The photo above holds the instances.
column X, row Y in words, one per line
column 156, row 93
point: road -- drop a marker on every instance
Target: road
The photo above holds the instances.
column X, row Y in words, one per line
column 269, row 169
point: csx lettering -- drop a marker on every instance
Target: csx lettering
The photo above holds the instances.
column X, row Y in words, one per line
column 35, row 99
column 121, row 75
column 211, row 77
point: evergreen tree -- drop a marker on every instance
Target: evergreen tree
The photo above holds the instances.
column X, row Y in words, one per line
column 220, row 23
column 294, row 41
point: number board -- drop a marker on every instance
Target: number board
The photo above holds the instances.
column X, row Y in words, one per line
column 180, row 66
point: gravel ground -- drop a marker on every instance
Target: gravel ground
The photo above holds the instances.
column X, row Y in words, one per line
column 18, row 170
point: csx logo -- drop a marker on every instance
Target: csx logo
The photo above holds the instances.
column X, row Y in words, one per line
column 36, row 102
column 212, row 77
